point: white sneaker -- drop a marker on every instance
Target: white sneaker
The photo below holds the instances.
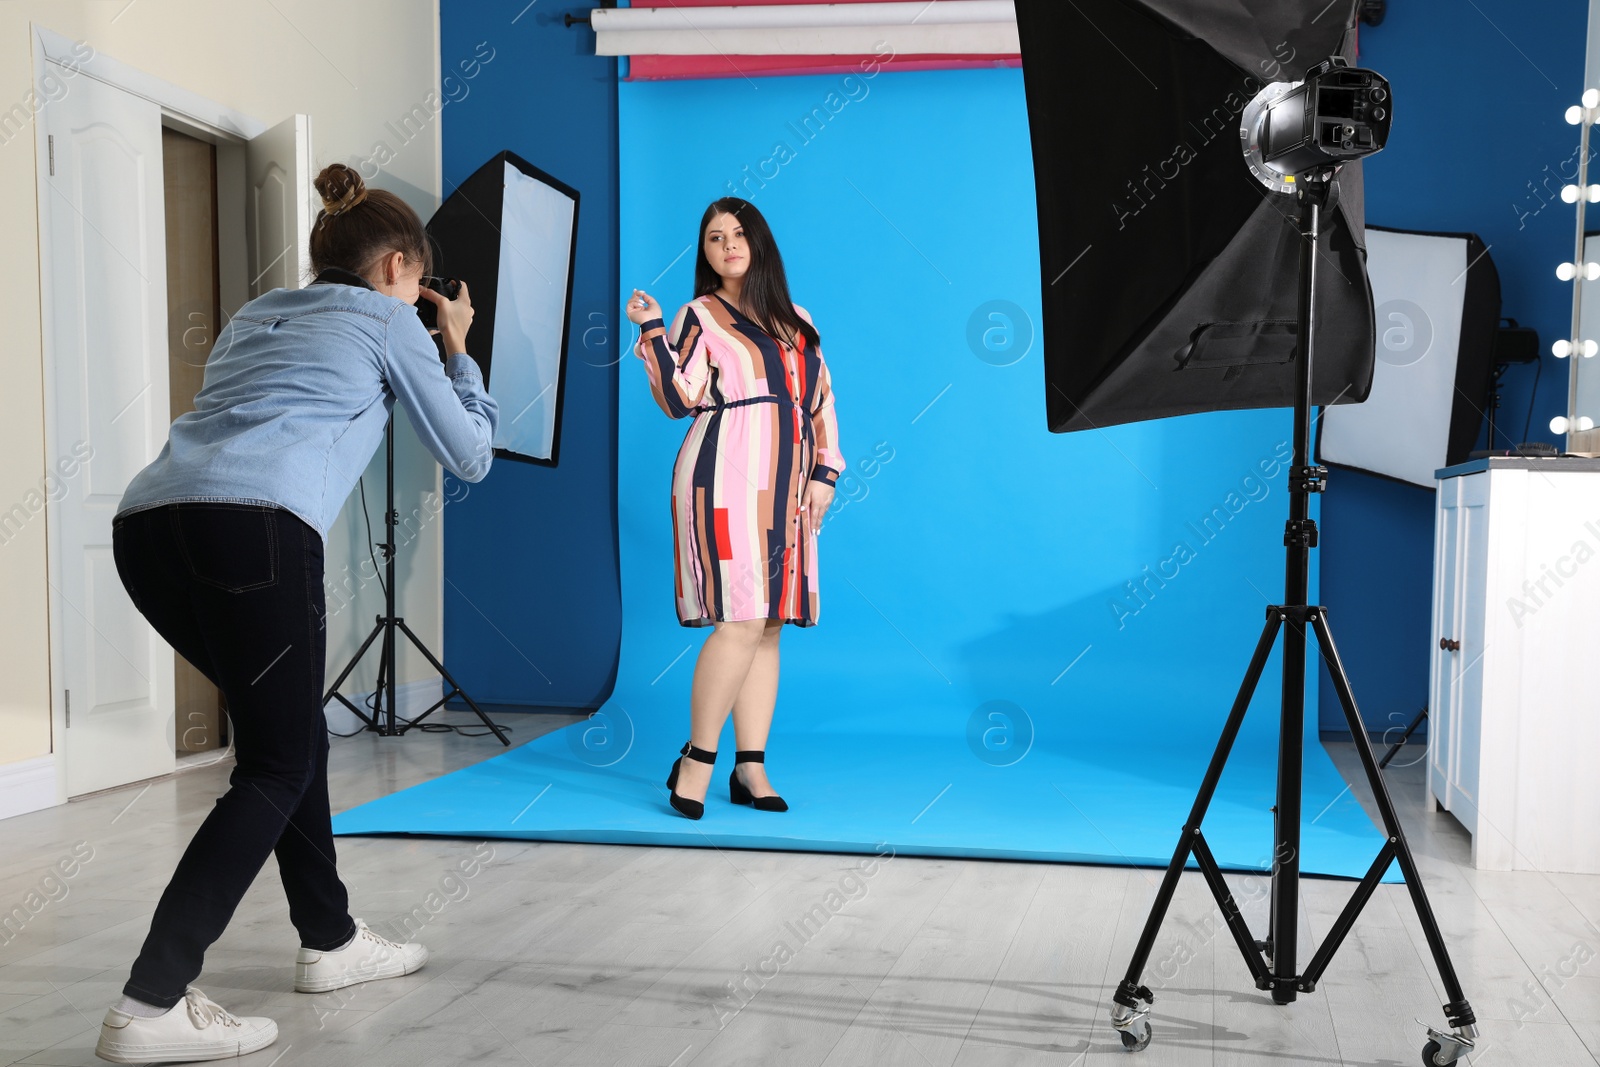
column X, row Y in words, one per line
column 367, row 958
column 195, row 1028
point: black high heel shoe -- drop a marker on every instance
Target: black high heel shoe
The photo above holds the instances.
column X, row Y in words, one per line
column 692, row 809
column 739, row 793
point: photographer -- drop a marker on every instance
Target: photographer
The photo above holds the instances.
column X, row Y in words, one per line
column 220, row 541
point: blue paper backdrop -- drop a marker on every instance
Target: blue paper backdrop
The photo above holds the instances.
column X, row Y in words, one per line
column 971, row 556
column 1028, row 642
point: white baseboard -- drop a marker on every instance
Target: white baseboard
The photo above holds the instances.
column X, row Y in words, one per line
column 411, row 698
column 30, row 784
column 27, row 785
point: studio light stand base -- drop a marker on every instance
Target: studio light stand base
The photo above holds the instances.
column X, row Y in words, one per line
column 384, row 720
column 1272, row 963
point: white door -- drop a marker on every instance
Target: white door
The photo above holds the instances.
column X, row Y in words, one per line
column 1466, row 746
column 105, row 319
column 279, row 206
column 1456, row 702
column 1442, row 697
column 102, row 231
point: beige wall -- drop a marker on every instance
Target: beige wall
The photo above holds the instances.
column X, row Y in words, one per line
column 353, row 67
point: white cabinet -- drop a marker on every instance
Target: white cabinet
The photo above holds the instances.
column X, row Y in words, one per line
column 1514, row 719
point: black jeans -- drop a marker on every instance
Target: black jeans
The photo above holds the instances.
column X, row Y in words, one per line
column 236, row 589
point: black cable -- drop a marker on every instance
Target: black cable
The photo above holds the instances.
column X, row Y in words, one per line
column 371, row 703
column 1527, row 424
column 448, row 727
column 1492, row 405
column 439, row 727
column 362, row 483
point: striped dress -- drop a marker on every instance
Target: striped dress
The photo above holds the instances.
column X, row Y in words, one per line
column 763, row 426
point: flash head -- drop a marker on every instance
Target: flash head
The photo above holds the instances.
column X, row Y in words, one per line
column 1299, row 131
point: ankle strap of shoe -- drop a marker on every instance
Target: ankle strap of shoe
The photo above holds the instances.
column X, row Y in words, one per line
column 750, row 755
column 699, row 755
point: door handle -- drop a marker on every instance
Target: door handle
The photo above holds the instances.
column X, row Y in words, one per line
column 1449, row 645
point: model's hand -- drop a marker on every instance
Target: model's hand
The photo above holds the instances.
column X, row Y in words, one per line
column 817, row 498
column 642, row 308
column 455, row 317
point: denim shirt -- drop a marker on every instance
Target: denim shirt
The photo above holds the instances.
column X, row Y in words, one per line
column 298, row 388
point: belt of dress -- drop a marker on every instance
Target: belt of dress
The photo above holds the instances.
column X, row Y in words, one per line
column 747, row 400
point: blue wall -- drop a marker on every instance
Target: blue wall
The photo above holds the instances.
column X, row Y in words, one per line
column 1478, row 144
column 531, row 601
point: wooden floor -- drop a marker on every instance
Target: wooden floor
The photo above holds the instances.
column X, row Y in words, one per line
column 625, row 956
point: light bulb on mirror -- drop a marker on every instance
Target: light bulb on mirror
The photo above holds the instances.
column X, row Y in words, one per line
column 1585, row 422
column 1561, row 349
column 1590, row 348
column 1591, row 98
column 1558, row 424
column 1574, row 115
column 1566, row 272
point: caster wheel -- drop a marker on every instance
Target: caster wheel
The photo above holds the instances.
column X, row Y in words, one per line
column 1136, row 1038
column 1429, row 1052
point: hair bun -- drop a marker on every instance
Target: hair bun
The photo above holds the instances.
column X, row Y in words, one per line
column 340, row 187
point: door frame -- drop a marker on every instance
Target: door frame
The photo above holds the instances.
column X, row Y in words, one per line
column 199, row 117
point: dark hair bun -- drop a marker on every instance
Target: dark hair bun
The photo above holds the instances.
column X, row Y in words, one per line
column 353, row 240
column 340, row 187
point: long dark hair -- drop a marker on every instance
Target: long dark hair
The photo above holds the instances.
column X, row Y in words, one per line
column 357, row 225
column 766, row 288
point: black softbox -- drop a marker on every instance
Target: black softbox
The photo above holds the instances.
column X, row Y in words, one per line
column 510, row 231
column 1169, row 273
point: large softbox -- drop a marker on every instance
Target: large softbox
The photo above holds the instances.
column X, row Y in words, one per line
column 1169, row 274
column 510, row 231
column 1438, row 313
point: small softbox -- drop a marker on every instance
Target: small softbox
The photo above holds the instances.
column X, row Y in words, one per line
column 1169, row 274
column 510, row 231
column 1438, row 314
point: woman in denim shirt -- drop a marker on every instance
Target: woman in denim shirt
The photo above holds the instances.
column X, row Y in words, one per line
column 220, row 541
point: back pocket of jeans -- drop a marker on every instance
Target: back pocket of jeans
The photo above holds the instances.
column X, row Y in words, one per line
column 231, row 547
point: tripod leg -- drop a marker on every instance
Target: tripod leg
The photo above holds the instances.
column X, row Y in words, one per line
column 490, row 723
column 1230, row 912
column 1132, row 1000
column 388, row 674
column 383, row 708
column 1458, row 1011
column 1283, row 924
column 333, row 690
column 1395, row 748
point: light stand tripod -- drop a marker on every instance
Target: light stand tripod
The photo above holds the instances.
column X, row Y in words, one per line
column 1272, row 962
column 383, row 720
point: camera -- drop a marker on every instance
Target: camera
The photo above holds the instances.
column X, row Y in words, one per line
column 449, row 288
